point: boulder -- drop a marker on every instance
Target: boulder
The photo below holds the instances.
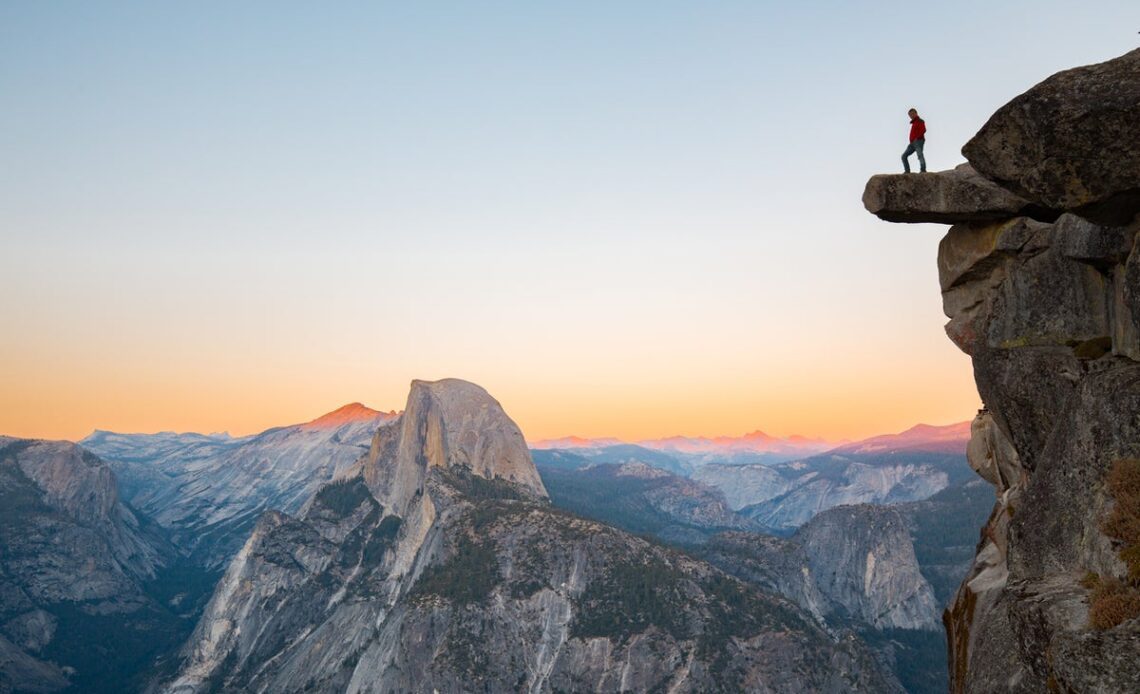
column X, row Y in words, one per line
column 1069, row 143
column 944, row 197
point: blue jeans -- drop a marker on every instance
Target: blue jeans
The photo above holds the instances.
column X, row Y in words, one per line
column 915, row 148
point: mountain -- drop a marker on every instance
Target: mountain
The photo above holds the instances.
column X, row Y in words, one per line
column 818, row 484
column 923, row 438
column 637, row 497
column 754, row 447
column 759, row 481
column 208, row 490
column 1040, row 278
column 573, row 442
column 849, row 563
column 915, row 553
column 854, row 568
column 944, row 529
column 438, row 563
column 619, row 454
column 76, row 568
column 755, row 442
column 909, row 466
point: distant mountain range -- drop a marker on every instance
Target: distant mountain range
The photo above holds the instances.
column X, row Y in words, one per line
column 873, row 535
column 209, row 489
column 436, row 562
column 169, row 512
column 951, row 438
column 755, row 442
column 762, row 479
column 945, row 438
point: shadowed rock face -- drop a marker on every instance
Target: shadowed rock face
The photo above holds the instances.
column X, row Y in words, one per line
column 62, row 502
column 1069, row 143
column 438, row 564
column 71, row 556
column 1050, row 315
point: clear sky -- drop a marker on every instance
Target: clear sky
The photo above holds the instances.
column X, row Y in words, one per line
column 621, row 218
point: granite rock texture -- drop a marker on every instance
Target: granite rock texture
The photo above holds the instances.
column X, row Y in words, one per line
column 847, row 563
column 1049, row 312
column 943, row 197
column 71, row 554
column 1069, row 143
column 437, row 564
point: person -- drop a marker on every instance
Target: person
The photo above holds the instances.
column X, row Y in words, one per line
column 917, row 142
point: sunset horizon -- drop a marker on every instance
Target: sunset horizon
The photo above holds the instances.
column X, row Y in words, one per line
column 597, row 232
column 364, row 347
column 195, row 422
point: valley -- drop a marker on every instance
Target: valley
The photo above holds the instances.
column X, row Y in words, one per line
column 372, row 514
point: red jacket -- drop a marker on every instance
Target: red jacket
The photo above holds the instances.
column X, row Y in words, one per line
column 917, row 129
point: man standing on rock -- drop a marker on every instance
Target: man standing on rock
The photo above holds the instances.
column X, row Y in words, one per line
column 917, row 141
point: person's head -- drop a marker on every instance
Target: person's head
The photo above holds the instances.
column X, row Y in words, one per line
column 912, row 113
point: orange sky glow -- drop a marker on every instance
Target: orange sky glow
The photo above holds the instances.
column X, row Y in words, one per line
column 631, row 221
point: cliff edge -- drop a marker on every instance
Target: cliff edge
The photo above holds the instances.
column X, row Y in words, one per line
column 1040, row 277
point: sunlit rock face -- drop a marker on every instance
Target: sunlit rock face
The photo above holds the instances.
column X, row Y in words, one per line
column 945, row 197
column 437, row 563
column 209, row 489
column 1069, row 143
column 847, row 563
column 1049, row 312
column 447, row 424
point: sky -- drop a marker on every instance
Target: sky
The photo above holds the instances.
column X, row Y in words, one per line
column 629, row 219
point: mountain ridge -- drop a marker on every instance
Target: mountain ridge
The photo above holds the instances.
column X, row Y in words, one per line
column 922, row 435
column 439, row 563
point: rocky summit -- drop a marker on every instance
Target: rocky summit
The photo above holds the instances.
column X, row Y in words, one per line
column 438, row 564
column 1047, row 305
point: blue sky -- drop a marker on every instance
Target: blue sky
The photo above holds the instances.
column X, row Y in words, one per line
column 285, row 206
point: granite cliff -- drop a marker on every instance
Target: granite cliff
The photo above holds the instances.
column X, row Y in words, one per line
column 1040, row 277
column 438, row 563
column 848, row 564
column 75, row 567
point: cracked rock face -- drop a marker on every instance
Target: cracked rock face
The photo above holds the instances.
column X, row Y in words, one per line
column 438, row 564
column 1049, row 312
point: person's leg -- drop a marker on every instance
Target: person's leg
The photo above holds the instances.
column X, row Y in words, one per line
column 918, row 145
column 906, row 163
